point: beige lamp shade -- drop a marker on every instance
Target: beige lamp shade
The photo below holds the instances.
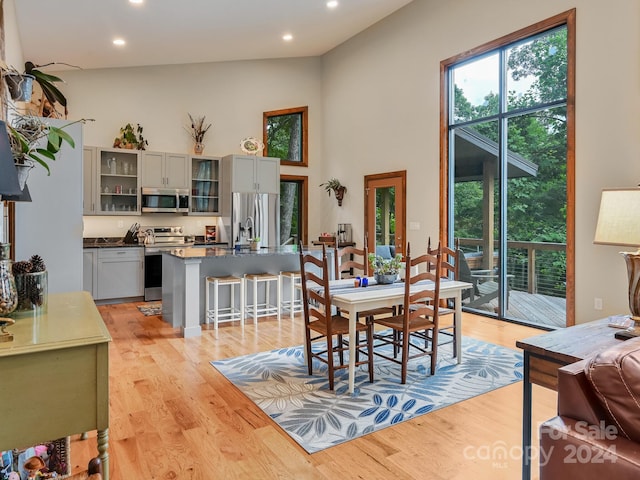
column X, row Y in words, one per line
column 619, row 218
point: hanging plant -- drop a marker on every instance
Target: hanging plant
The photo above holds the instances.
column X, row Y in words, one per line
column 336, row 187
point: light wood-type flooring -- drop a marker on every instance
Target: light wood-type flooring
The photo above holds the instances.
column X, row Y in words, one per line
column 173, row 416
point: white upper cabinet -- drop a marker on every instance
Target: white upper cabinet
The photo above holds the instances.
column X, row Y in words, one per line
column 161, row 169
column 251, row 173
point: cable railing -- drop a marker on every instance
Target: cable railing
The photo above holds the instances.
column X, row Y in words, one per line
column 533, row 267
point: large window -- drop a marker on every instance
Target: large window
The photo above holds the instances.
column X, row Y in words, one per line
column 508, row 171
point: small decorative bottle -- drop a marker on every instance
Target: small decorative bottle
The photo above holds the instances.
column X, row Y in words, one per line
column 8, row 293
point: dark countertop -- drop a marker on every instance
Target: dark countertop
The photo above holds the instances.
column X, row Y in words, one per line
column 204, row 252
column 107, row 242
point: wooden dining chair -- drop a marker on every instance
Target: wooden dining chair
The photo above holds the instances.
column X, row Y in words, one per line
column 414, row 332
column 321, row 324
column 358, row 259
column 450, row 269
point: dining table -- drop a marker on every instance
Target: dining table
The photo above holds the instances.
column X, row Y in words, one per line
column 347, row 297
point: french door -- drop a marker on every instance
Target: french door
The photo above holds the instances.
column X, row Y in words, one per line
column 385, row 214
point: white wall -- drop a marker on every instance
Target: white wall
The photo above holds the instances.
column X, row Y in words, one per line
column 381, row 112
column 51, row 224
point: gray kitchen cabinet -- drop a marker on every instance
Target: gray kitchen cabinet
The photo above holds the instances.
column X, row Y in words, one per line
column 167, row 170
column 250, row 173
column 89, row 181
column 118, row 181
column 205, row 185
column 90, row 271
column 120, row 272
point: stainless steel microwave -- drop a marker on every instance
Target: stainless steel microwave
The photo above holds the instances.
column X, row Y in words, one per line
column 165, row 200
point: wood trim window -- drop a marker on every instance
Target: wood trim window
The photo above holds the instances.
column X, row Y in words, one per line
column 294, row 196
column 498, row 119
column 285, row 135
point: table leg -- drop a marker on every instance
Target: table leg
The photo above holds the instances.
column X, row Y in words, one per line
column 352, row 347
column 526, row 420
column 457, row 320
column 103, row 451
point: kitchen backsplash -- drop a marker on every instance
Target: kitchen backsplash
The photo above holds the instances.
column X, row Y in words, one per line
column 117, row 226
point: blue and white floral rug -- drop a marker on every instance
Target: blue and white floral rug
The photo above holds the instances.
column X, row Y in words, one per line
column 316, row 418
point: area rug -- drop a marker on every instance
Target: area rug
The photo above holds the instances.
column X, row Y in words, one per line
column 316, row 418
column 150, row 309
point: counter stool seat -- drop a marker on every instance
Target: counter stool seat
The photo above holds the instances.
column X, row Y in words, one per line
column 224, row 314
column 294, row 304
column 255, row 308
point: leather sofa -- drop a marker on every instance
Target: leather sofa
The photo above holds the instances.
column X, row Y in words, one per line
column 596, row 434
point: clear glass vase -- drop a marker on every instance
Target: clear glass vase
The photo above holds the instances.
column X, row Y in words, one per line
column 8, row 293
column 32, row 291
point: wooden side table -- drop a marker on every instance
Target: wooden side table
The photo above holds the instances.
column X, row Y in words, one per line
column 56, row 373
column 545, row 354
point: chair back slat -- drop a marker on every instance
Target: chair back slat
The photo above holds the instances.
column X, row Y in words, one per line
column 316, row 304
column 359, row 262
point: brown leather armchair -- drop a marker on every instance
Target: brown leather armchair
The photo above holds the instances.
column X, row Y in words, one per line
column 597, row 431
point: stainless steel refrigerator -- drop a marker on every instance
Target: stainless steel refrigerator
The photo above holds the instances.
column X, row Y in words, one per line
column 255, row 215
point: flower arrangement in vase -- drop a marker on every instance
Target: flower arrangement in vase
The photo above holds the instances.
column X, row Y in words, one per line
column 197, row 130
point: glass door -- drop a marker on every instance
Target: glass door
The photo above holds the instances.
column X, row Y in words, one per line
column 205, row 186
column 385, row 215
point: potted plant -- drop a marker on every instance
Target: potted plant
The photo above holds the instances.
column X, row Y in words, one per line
column 254, row 243
column 34, row 141
column 20, row 87
column 130, row 138
column 385, row 270
column 336, row 187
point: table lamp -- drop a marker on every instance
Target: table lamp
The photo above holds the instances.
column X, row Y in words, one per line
column 619, row 224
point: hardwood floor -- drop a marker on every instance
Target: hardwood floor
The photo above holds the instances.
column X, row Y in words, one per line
column 173, row 416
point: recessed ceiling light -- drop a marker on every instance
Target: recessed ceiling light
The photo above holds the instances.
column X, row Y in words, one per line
column 136, row 1
column 332, row 4
column 119, row 42
column 287, row 37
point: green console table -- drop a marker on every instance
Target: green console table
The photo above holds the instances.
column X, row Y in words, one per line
column 55, row 376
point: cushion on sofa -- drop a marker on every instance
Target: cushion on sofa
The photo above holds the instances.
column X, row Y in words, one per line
column 615, row 377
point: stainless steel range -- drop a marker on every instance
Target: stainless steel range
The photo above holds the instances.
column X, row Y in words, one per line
column 157, row 240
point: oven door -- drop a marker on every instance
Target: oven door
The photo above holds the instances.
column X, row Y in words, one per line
column 152, row 274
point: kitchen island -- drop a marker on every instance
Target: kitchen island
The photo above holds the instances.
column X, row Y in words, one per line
column 184, row 271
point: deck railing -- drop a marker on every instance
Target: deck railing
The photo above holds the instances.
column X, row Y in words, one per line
column 533, row 267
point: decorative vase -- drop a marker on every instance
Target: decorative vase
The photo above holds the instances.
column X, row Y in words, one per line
column 254, row 246
column 8, row 293
column 385, row 278
column 32, row 291
column 198, row 148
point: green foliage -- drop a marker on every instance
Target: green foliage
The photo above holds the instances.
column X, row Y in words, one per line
column 284, row 136
column 385, row 266
column 130, row 137
column 26, row 135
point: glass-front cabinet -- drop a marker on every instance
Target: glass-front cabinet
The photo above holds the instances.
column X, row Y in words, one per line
column 205, row 186
column 118, row 182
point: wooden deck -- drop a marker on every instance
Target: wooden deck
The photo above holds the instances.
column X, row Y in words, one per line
column 533, row 308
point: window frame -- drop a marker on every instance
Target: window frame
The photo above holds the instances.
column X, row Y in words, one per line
column 568, row 19
column 304, row 111
column 303, row 203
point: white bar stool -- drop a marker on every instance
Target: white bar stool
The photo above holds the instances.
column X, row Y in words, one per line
column 224, row 314
column 265, row 308
column 294, row 304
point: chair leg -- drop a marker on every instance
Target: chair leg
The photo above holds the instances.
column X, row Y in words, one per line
column 308, row 349
column 405, row 356
column 340, row 351
column 330, row 361
column 370, row 349
column 434, row 350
